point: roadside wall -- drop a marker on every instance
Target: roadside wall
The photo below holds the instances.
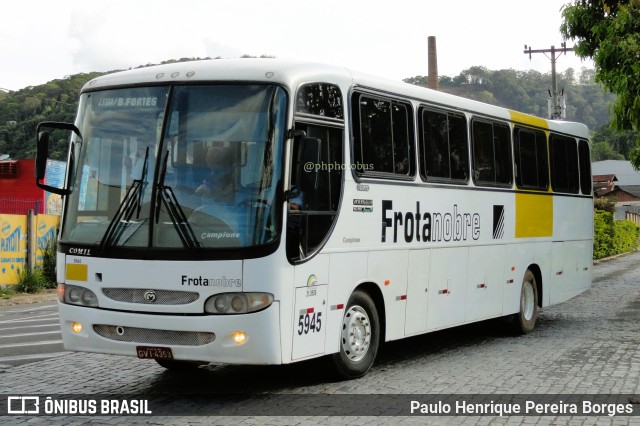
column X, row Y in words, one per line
column 22, row 238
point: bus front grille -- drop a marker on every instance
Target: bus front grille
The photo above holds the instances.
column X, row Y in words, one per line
column 150, row 297
column 154, row 336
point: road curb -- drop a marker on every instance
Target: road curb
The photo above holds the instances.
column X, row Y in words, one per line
column 615, row 256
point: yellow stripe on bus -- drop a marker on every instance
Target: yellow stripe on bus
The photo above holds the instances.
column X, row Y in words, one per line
column 534, row 215
column 534, row 212
column 77, row 272
column 530, row 120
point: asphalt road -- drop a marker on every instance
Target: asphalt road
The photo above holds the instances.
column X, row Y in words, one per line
column 29, row 333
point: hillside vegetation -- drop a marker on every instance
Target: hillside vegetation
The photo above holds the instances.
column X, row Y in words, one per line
column 527, row 91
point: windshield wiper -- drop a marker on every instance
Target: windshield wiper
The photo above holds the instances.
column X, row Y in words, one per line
column 166, row 196
column 131, row 204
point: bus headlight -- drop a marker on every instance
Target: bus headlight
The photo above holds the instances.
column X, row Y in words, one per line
column 237, row 303
column 76, row 295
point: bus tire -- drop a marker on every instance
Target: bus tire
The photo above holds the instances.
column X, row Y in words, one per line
column 359, row 337
column 525, row 320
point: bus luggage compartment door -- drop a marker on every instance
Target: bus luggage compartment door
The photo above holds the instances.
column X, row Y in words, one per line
column 418, row 278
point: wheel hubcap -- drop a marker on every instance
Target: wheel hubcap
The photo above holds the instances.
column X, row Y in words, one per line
column 356, row 333
column 528, row 300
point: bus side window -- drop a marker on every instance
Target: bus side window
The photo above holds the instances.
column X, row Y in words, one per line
column 564, row 164
column 383, row 137
column 491, row 148
column 444, row 147
column 585, row 167
column 531, row 159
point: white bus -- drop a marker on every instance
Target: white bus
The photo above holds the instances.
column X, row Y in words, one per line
column 267, row 212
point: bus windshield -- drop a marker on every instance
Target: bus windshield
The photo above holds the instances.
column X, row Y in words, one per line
column 175, row 167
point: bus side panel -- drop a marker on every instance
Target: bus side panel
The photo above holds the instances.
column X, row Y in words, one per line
column 571, row 269
column 580, row 263
column 255, row 273
column 573, row 218
column 572, row 249
column 534, row 215
column 309, row 313
column 311, row 280
column 389, row 268
column 543, row 259
column 558, row 284
column 447, row 287
column 486, row 282
column 417, row 292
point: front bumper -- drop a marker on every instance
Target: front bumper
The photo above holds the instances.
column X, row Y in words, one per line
column 261, row 346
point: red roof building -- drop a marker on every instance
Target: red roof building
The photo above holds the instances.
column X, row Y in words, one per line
column 603, row 184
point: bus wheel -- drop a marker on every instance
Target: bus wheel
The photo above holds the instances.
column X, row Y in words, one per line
column 525, row 320
column 175, row 365
column 359, row 337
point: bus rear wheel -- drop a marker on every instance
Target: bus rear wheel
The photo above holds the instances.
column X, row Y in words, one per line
column 359, row 337
column 525, row 320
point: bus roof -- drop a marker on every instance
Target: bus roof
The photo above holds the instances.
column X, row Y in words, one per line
column 294, row 73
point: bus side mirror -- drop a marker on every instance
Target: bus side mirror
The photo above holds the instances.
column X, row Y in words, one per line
column 309, row 164
column 42, row 153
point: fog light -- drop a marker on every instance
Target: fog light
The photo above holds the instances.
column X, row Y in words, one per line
column 76, row 327
column 239, row 337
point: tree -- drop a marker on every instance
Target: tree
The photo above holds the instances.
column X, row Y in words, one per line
column 609, row 32
column 602, row 151
column 620, row 142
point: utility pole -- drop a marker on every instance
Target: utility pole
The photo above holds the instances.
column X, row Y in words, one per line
column 557, row 106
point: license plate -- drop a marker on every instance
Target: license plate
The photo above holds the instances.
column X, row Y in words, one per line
column 154, row 352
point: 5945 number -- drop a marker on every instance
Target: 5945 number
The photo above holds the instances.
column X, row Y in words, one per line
column 309, row 323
